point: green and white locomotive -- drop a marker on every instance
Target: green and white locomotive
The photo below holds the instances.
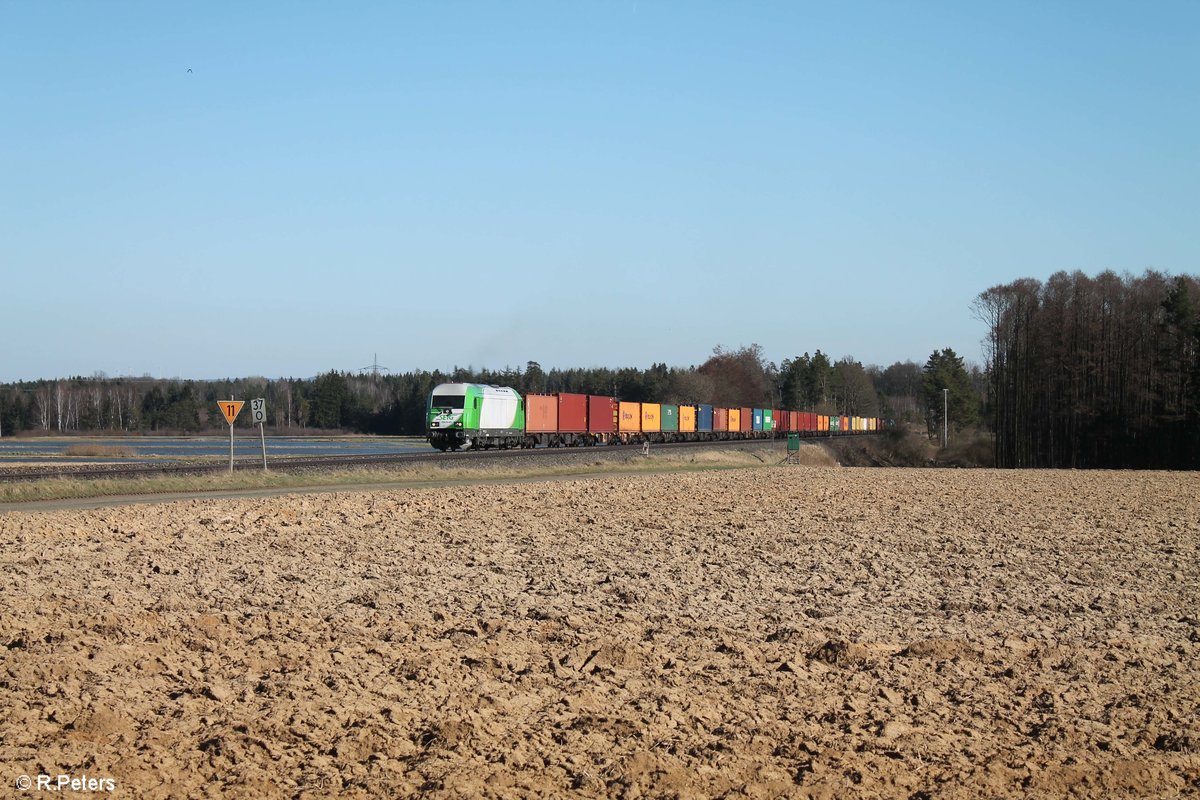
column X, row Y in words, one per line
column 472, row 415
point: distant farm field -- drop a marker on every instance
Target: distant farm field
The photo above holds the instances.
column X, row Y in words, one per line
column 247, row 446
column 793, row 632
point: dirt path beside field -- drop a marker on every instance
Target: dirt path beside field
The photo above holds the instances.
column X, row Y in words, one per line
column 789, row 632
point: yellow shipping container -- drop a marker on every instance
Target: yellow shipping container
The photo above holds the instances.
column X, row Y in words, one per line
column 630, row 417
column 651, row 417
column 735, row 419
column 687, row 419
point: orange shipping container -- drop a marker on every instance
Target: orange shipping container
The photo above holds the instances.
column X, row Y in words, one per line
column 651, row 417
column 687, row 419
column 631, row 417
column 735, row 419
column 541, row 413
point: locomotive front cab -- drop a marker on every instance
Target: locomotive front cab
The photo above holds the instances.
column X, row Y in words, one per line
column 475, row 416
column 446, row 416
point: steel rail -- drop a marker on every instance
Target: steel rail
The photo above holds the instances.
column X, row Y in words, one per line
column 366, row 460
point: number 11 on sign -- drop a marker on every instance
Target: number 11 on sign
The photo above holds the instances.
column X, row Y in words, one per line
column 230, row 409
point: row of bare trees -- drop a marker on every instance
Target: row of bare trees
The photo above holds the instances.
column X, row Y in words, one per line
column 1094, row 372
column 131, row 405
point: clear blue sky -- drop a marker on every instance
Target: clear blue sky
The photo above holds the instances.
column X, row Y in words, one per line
column 609, row 184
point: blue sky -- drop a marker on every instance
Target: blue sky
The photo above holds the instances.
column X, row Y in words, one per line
column 609, row 184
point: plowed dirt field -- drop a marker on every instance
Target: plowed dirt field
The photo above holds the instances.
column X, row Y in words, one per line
column 791, row 632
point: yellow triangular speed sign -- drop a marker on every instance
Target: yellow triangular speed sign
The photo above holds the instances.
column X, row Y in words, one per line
column 230, row 409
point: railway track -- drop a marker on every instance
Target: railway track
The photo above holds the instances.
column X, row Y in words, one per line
column 312, row 463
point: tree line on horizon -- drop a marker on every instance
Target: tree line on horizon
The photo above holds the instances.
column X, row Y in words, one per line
column 1079, row 372
column 395, row 404
column 1094, row 372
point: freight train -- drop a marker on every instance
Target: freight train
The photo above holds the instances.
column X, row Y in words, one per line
column 472, row 416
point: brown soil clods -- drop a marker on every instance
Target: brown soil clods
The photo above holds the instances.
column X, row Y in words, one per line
column 761, row 633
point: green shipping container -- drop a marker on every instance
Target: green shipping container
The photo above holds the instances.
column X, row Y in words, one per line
column 670, row 418
column 768, row 421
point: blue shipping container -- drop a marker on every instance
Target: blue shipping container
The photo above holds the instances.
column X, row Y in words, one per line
column 704, row 418
column 758, row 417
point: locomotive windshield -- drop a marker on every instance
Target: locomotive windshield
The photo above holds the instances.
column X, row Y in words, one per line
column 447, row 401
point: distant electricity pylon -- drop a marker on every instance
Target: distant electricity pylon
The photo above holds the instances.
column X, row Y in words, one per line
column 373, row 368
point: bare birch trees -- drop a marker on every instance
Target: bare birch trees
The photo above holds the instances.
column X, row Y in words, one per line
column 1094, row 372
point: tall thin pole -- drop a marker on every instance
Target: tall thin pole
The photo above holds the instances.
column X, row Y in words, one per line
column 945, row 418
column 231, row 441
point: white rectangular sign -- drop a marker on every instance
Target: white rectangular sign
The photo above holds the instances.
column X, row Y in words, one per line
column 258, row 411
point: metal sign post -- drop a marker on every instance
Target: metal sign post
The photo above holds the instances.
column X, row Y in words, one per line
column 230, row 409
column 258, row 411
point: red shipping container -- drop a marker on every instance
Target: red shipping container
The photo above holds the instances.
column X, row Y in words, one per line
column 572, row 413
column 720, row 419
column 541, row 413
column 747, row 419
column 602, row 414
